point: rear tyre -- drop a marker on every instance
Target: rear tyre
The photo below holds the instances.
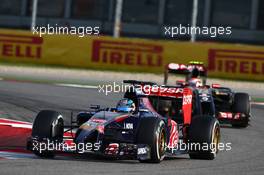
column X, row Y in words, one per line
column 241, row 104
column 204, row 137
column 152, row 132
column 48, row 125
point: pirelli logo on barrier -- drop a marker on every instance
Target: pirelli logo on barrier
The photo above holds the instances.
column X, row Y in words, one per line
column 127, row 53
column 20, row 46
column 236, row 61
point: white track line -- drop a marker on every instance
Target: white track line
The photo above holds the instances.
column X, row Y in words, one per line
column 78, row 86
column 96, row 87
column 15, row 125
column 12, row 120
column 258, row 103
column 15, row 155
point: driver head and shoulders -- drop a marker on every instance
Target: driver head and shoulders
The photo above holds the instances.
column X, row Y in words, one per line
column 195, row 80
column 126, row 105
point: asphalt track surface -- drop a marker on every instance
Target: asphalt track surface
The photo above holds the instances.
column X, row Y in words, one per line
column 22, row 101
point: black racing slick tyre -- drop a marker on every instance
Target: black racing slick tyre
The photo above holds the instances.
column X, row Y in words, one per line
column 204, row 137
column 48, row 125
column 152, row 132
column 241, row 104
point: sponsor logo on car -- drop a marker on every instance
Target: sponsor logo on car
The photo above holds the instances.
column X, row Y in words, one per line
column 128, row 126
column 162, row 90
column 142, row 150
column 187, row 100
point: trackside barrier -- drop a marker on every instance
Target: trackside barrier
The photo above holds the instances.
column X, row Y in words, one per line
column 106, row 53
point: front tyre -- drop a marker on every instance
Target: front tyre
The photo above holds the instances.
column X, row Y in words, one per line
column 48, row 125
column 152, row 132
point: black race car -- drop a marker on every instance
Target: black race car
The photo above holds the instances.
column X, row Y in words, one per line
column 230, row 107
column 164, row 119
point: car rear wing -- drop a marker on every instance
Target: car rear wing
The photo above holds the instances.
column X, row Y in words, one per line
column 184, row 69
column 163, row 91
column 144, row 88
column 135, row 82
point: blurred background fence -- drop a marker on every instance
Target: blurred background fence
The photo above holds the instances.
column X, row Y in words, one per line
column 143, row 18
column 238, row 56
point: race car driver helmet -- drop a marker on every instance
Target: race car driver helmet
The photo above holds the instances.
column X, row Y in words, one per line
column 195, row 82
column 195, row 73
column 125, row 105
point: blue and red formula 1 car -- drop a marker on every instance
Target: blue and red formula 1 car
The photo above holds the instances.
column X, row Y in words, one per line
column 150, row 123
column 230, row 107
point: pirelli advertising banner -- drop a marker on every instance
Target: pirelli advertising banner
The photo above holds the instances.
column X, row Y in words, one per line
column 141, row 55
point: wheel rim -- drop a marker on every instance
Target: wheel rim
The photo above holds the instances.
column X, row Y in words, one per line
column 161, row 143
column 216, row 138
